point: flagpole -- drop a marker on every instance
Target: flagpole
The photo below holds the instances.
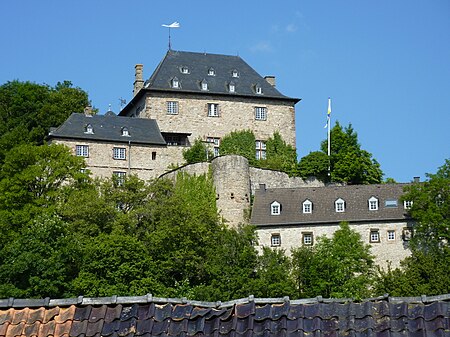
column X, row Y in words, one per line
column 329, row 136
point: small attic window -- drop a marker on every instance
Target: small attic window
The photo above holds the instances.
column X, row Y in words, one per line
column 231, row 87
column 184, row 70
column 175, row 83
column 204, row 85
column 275, row 208
column 89, row 129
column 234, row 73
column 125, row 132
column 258, row 89
column 211, row 72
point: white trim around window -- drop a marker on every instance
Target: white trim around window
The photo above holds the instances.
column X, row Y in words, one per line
column 373, row 204
column 119, row 153
column 339, row 205
column 307, row 206
column 275, row 240
column 275, row 208
column 213, row 110
column 172, row 108
column 82, row 150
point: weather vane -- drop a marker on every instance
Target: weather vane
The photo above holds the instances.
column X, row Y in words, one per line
column 172, row 25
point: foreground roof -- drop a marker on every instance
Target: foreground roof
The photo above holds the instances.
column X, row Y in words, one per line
column 148, row 316
column 355, row 197
column 109, row 128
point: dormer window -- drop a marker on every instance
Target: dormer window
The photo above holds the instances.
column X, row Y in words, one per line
column 125, row 132
column 307, row 206
column 211, row 72
column 407, row 204
column 339, row 205
column 275, row 208
column 258, row 89
column 234, row 73
column 89, row 129
column 184, row 70
column 373, row 204
column 231, row 87
column 175, row 83
column 204, row 85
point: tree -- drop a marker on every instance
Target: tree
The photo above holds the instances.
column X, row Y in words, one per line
column 338, row 267
column 197, row 153
column 241, row 143
column 280, row 156
column 315, row 164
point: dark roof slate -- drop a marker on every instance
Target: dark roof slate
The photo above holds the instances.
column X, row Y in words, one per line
column 109, row 128
column 323, row 204
column 148, row 316
column 198, row 65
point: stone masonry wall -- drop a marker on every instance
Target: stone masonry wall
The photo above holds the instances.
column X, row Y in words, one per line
column 235, row 113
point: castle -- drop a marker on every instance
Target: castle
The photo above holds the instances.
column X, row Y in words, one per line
column 204, row 96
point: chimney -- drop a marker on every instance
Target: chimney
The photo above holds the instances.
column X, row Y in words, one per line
column 416, row 179
column 262, row 187
column 270, row 80
column 88, row 112
column 138, row 78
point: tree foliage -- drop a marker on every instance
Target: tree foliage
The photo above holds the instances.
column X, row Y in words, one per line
column 315, row 164
column 241, row 143
column 197, row 153
column 280, row 156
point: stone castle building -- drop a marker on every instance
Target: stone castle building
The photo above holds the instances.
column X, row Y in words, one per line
column 205, row 96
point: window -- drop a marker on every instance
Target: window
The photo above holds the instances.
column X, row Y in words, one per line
column 153, row 155
column 407, row 204
column 125, row 132
column 339, row 205
column 173, row 140
column 89, row 129
column 234, row 73
column 231, row 87
column 216, row 144
column 175, row 83
column 119, row 177
column 307, row 206
column 213, row 110
column 119, row 153
column 373, row 204
column 258, row 89
column 82, row 150
column 307, row 239
column 184, row 70
column 275, row 240
column 260, row 149
column 211, row 72
column 374, row 235
column 275, row 208
column 391, row 235
column 172, row 108
column 391, row 203
column 260, row 113
column 204, row 85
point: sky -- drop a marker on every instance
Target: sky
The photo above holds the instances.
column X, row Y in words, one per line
column 385, row 64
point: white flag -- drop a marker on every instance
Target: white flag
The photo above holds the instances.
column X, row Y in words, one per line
column 172, row 25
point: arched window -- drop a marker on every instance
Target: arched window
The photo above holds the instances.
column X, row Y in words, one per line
column 373, row 204
column 275, row 208
column 339, row 205
column 307, row 206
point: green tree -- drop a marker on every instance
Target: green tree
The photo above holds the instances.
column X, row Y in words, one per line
column 280, row 156
column 341, row 266
column 241, row 143
column 315, row 164
column 197, row 153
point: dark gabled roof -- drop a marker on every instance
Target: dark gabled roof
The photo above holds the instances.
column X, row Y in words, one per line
column 323, row 204
column 148, row 316
column 198, row 65
column 109, row 128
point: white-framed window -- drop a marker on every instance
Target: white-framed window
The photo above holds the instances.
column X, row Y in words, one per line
column 89, row 129
column 216, row 144
column 184, row 70
column 234, row 73
column 82, row 150
column 175, row 83
column 260, row 113
column 275, row 240
column 204, row 85
column 339, row 205
column 391, row 235
column 307, row 238
column 119, row 153
column 172, row 108
column 275, row 208
column 213, row 110
column 125, row 132
column 391, row 203
column 407, row 204
column 374, row 235
column 211, row 72
column 260, row 147
column 307, row 206
column 231, row 87
column 258, row 89
column 373, row 204
column 119, row 177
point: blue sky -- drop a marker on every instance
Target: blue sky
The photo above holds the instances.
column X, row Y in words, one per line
column 384, row 63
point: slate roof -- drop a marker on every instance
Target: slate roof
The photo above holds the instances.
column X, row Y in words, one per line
column 323, row 204
column 148, row 316
column 109, row 128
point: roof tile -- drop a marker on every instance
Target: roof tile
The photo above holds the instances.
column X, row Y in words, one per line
column 36, row 315
column 94, row 328
column 127, row 327
column 63, row 329
column 181, row 311
column 144, row 326
column 163, row 312
column 6, row 315
column 113, row 312
column 110, row 328
column 160, row 327
column 245, row 310
column 178, row 328
column 82, row 313
column 31, row 330
column 65, row 314
column 196, row 325
column 47, row 329
column 20, row 316
column 4, row 328
column 145, row 311
column 15, row 329
column 97, row 313
column 50, row 314
column 78, row 328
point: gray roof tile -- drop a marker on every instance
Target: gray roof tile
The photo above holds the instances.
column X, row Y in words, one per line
column 109, row 128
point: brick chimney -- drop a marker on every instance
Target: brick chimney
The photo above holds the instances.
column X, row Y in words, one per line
column 138, row 78
column 270, row 80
